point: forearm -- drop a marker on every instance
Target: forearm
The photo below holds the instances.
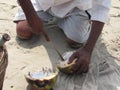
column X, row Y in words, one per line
column 28, row 9
column 96, row 29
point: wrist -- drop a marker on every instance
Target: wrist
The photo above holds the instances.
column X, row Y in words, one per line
column 88, row 48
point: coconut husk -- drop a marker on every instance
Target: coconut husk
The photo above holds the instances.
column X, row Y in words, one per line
column 46, row 82
column 63, row 66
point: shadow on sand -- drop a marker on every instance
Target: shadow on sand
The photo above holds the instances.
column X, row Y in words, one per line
column 58, row 38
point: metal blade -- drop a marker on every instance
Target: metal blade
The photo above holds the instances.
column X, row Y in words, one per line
column 53, row 46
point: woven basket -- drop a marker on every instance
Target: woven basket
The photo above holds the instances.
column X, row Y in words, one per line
column 3, row 64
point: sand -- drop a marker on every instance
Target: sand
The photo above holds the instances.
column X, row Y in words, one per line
column 26, row 55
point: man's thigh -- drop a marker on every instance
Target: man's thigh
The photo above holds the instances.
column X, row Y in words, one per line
column 76, row 25
column 45, row 16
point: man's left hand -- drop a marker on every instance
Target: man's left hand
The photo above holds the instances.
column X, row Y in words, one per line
column 82, row 62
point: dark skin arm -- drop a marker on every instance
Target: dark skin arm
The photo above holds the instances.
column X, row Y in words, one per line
column 83, row 55
column 32, row 18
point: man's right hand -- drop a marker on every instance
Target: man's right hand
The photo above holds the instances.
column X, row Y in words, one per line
column 37, row 26
column 32, row 18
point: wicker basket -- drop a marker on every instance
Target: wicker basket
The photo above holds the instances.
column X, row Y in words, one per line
column 3, row 64
column 3, row 57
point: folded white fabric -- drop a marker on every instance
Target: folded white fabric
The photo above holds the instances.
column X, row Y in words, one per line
column 46, row 4
column 58, row 2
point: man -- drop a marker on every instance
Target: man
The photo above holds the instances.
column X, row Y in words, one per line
column 74, row 19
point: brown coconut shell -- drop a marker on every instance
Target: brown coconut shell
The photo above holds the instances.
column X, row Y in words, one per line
column 23, row 30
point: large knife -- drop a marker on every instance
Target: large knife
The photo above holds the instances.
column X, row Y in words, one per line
column 53, row 46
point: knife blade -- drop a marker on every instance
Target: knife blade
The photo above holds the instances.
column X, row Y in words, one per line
column 53, row 46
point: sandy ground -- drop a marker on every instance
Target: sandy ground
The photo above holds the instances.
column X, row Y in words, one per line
column 35, row 53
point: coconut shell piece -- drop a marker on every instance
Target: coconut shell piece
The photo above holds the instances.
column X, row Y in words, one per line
column 42, row 80
column 63, row 66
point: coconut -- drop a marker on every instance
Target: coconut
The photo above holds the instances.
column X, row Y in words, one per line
column 23, row 30
column 63, row 66
column 42, row 80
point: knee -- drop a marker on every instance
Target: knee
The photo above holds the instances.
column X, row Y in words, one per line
column 23, row 30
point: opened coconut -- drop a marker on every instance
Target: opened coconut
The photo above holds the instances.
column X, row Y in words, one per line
column 42, row 80
column 63, row 66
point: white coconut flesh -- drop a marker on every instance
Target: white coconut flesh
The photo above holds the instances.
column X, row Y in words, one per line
column 42, row 75
column 66, row 56
column 64, row 64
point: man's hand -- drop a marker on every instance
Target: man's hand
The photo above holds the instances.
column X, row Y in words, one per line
column 32, row 18
column 37, row 26
column 83, row 55
column 82, row 62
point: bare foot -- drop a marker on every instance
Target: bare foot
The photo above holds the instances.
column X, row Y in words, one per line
column 74, row 44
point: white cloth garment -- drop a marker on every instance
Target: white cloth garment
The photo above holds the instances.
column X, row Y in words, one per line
column 75, row 24
column 99, row 8
column 73, row 19
column 49, row 3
